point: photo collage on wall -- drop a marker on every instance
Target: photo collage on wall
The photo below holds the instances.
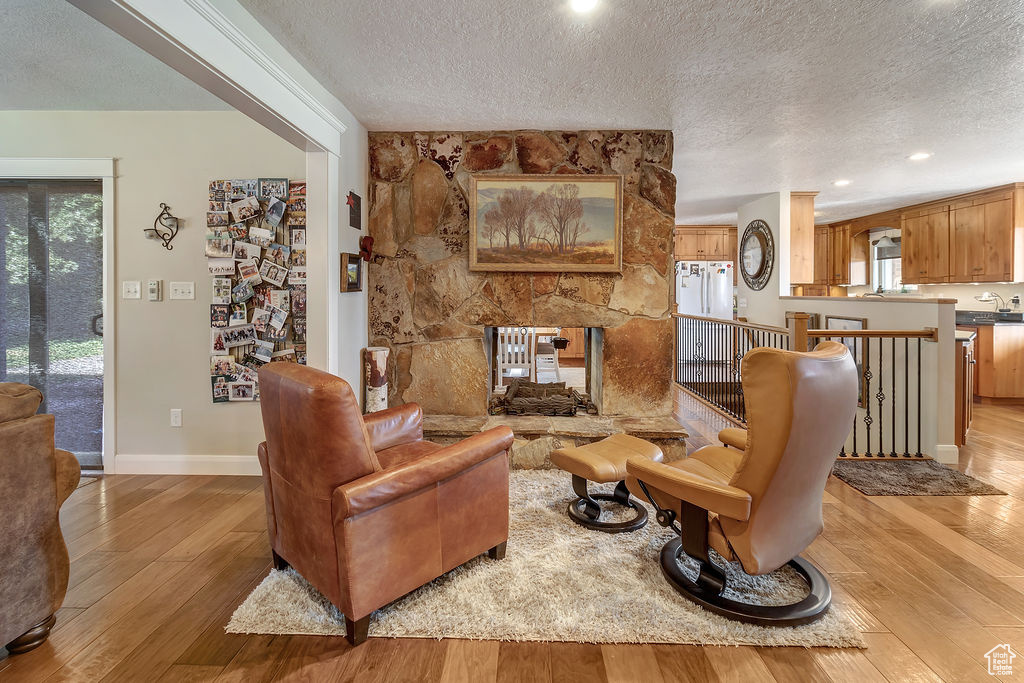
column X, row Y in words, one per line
column 256, row 256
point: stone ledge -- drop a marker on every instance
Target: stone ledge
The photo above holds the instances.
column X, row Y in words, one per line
column 532, row 426
column 537, row 436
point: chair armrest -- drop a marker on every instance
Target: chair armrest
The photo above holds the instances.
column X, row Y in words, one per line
column 69, row 473
column 394, row 426
column 723, row 499
column 735, row 437
column 386, row 486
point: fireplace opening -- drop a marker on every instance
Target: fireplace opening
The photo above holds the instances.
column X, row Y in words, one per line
column 553, row 371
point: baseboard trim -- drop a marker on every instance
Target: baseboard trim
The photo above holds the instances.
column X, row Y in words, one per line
column 947, row 454
column 132, row 463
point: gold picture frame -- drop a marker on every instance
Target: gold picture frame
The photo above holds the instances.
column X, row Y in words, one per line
column 548, row 223
column 351, row 273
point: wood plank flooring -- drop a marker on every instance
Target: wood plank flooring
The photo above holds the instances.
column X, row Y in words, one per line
column 158, row 564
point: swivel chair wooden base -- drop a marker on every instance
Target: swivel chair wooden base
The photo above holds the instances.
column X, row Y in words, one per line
column 707, row 590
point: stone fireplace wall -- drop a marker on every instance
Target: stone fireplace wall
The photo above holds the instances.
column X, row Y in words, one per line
column 427, row 306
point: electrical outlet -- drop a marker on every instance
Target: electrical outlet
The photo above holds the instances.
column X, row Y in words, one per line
column 131, row 289
column 175, row 417
column 155, row 290
column 183, row 290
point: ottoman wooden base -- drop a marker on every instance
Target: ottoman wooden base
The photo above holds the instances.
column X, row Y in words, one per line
column 585, row 510
column 604, row 462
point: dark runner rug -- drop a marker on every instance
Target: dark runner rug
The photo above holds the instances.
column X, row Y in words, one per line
column 917, row 478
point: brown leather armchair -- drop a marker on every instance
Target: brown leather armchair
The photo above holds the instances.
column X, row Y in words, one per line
column 759, row 502
column 35, row 480
column 362, row 506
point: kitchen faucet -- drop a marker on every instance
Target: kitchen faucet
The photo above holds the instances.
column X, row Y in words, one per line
column 1001, row 303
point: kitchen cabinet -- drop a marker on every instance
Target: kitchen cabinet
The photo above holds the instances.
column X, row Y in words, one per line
column 704, row 243
column 925, row 246
column 839, row 257
column 999, row 350
column 822, row 254
column 848, row 256
column 577, row 344
column 973, row 237
column 982, row 241
column 965, row 363
column 801, row 237
column 688, row 245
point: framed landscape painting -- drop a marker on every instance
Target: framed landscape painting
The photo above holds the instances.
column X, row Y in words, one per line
column 544, row 223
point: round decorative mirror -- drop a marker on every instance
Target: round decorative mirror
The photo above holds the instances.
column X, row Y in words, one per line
column 757, row 254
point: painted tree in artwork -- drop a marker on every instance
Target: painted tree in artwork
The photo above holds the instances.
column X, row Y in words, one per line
column 561, row 212
column 498, row 223
column 516, row 207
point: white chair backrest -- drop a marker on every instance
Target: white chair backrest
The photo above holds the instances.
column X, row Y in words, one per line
column 516, row 347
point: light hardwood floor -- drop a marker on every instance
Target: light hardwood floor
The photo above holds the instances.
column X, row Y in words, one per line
column 160, row 562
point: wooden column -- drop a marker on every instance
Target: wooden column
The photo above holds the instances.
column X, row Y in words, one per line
column 797, row 324
column 375, row 359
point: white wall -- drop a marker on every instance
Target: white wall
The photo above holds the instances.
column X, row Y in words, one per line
column 163, row 347
column 352, row 332
column 764, row 306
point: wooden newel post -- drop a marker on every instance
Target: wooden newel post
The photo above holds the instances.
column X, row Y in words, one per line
column 376, row 363
column 797, row 324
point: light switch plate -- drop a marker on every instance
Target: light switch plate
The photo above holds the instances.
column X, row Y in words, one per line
column 183, row 290
column 131, row 289
column 155, row 290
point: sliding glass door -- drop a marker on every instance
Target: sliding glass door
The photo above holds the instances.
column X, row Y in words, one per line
column 51, row 290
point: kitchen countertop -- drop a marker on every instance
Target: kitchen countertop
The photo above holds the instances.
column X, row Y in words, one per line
column 965, row 335
column 983, row 318
column 884, row 300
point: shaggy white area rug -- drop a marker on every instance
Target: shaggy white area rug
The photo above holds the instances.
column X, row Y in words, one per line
column 558, row 582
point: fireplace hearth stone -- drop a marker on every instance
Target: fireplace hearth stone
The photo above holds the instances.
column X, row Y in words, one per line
column 536, row 436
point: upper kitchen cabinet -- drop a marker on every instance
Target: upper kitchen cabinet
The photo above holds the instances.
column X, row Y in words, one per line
column 982, row 241
column 822, row 254
column 705, row 243
column 925, row 249
column 848, row 256
column 801, row 237
column 976, row 237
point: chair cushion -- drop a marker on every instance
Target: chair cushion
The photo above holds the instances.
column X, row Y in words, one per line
column 18, row 401
column 605, row 460
column 406, row 452
column 723, row 461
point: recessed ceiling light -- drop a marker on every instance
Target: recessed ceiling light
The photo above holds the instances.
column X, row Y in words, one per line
column 841, row 183
column 582, row 6
column 919, row 156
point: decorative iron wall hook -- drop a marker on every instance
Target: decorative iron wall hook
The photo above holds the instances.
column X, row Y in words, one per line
column 165, row 227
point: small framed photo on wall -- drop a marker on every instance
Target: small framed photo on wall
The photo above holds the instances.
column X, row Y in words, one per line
column 351, row 273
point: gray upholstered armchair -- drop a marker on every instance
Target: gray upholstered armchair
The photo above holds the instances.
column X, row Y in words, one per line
column 35, row 480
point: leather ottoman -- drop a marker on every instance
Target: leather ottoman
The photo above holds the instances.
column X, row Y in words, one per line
column 603, row 462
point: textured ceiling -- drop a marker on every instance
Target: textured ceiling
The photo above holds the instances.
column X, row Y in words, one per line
column 762, row 94
column 56, row 57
